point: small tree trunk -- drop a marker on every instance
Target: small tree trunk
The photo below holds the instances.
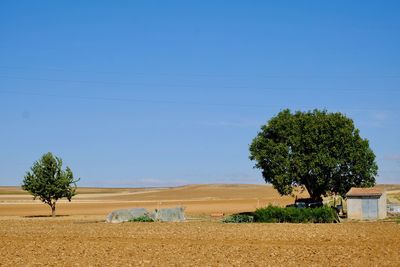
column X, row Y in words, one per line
column 53, row 210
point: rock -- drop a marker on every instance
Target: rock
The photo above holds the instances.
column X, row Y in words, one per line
column 162, row 215
column 169, row 215
column 118, row 216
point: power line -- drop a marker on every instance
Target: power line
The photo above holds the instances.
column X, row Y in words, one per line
column 210, row 74
column 186, row 103
column 247, row 87
column 123, row 99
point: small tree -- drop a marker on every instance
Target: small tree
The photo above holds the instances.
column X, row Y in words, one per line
column 320, row 151
column 48, row 182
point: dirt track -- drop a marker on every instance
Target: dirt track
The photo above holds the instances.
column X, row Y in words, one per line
column 80, row 237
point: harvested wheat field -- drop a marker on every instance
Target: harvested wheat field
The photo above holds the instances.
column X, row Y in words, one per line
column 198, row 200
column 81, row 237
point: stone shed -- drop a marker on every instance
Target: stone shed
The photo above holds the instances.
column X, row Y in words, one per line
column 366, row 203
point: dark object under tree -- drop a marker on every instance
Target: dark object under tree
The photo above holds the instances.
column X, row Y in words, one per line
column 47, row 181
column 320, row 151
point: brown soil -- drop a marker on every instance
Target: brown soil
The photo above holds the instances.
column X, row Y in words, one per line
column 82, row 238
column 84, row 242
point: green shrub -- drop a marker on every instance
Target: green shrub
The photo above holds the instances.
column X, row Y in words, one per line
column 324, row 215
column 142, row 219
column 274, row 214
column 270, row 214
column 238, row 218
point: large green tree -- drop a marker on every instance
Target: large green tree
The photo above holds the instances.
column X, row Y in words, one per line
column 49, row 182
column 320, row 151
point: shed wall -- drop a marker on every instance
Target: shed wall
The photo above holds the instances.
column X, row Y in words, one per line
column 354, row 211
column 354, row 207
column 382, row 209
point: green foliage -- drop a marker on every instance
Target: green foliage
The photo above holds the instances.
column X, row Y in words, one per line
column 324, row 215
column 47, row 181
column 142, row 219
column 273, row 214
column 318, row 150
column 238, row 218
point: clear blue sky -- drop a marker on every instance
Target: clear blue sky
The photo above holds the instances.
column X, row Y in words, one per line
column 154, row 93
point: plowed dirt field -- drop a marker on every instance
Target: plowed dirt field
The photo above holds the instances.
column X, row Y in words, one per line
column 80, row 237
column 85, row 242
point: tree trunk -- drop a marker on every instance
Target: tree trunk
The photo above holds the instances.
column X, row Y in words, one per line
column 53, row 210
column 315, row 196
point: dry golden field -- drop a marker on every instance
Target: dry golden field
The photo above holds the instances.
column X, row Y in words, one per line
column 80, row 237
column 198, row 200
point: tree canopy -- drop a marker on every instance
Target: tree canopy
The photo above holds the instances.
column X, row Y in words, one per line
column 47, row 181
column 320, row 151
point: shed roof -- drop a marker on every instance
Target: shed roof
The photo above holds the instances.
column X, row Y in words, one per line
column 362, row 192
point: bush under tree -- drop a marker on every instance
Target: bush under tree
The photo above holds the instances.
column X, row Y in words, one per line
column 48, row 182
column 273, row 214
